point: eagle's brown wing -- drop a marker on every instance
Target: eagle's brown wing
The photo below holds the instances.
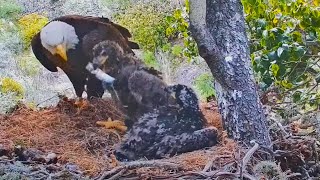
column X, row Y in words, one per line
column 86, row 24
column 124, row 31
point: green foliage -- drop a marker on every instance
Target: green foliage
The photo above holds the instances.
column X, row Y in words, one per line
column 146, row 23
column 178, row 29
column 149, row 59
column 9, row 40
column 9, row 9
column 119, row 4
column 9, row 85
column 28, row 64
column 11, row 93
column 12, row 176
column 284, row 43
column 30, row 25
column 177, row 50
column 269, row 170
column 204, row 85
column 7, row 102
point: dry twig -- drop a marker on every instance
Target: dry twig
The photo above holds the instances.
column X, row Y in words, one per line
column 247, row 158
column 120, row 170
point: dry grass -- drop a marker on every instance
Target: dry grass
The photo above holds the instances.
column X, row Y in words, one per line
column 211, row 113
column 74, row 136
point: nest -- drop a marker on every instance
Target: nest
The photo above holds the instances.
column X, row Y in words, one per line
column 73, row 135
column 65, row 130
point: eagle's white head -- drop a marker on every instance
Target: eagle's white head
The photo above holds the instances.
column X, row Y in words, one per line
column 58, row 37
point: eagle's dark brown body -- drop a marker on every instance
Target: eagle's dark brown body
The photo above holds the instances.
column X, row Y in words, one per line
column 90, row 31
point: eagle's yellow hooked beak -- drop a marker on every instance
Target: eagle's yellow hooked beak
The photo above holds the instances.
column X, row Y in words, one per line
column 62, row 52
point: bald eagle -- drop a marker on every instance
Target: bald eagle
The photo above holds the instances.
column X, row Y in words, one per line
column 66, row 42
column 168, row 130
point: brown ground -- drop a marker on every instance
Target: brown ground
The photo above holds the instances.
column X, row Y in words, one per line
column 74, row 136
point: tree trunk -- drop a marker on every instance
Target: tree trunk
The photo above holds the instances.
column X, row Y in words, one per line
column 219, row 30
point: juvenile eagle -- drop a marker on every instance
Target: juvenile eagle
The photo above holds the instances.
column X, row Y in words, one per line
column 167, row 130
column 140, row 89
column 66, row 42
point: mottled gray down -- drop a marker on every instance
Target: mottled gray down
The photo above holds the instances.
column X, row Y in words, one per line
column 168, row 130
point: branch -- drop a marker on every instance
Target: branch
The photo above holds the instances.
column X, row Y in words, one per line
column 198, row 18
column 247, row 157
column 216, row 174
column 199, row 30
column 249, row 154
column 120, row 170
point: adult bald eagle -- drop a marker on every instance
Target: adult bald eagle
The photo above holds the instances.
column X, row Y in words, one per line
column 66, row 42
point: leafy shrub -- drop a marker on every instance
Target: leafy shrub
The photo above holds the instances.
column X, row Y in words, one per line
column 204, row 86
column 285, row 38
column 7, row 102
column 9, row 9
column 177, row 50
column 149, row 59
column 30, row 25
column 269, row 170
column 28, row 64
column 284, row 42
column 9, row 85
column 11, row 92
column 9, row 40
column 179, row 28
column 117, row 5
column 146, row 23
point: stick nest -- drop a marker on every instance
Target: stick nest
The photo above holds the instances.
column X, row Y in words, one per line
column 65, row 130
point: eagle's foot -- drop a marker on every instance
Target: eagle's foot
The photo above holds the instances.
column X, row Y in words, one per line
column 81, row 104
column 116, row 124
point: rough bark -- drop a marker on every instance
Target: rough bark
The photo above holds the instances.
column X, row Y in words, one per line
column 219, row 30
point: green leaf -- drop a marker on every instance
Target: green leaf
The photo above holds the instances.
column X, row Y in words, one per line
column 177, row 50
column 166, row 47
column 296, row 96
column 177, row 14
column 286, row 84
column 272, row 56
column 274, row 69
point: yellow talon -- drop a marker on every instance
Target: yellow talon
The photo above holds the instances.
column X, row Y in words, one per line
column 109, row 124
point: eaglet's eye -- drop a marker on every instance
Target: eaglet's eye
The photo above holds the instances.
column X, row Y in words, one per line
column 103, row 53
